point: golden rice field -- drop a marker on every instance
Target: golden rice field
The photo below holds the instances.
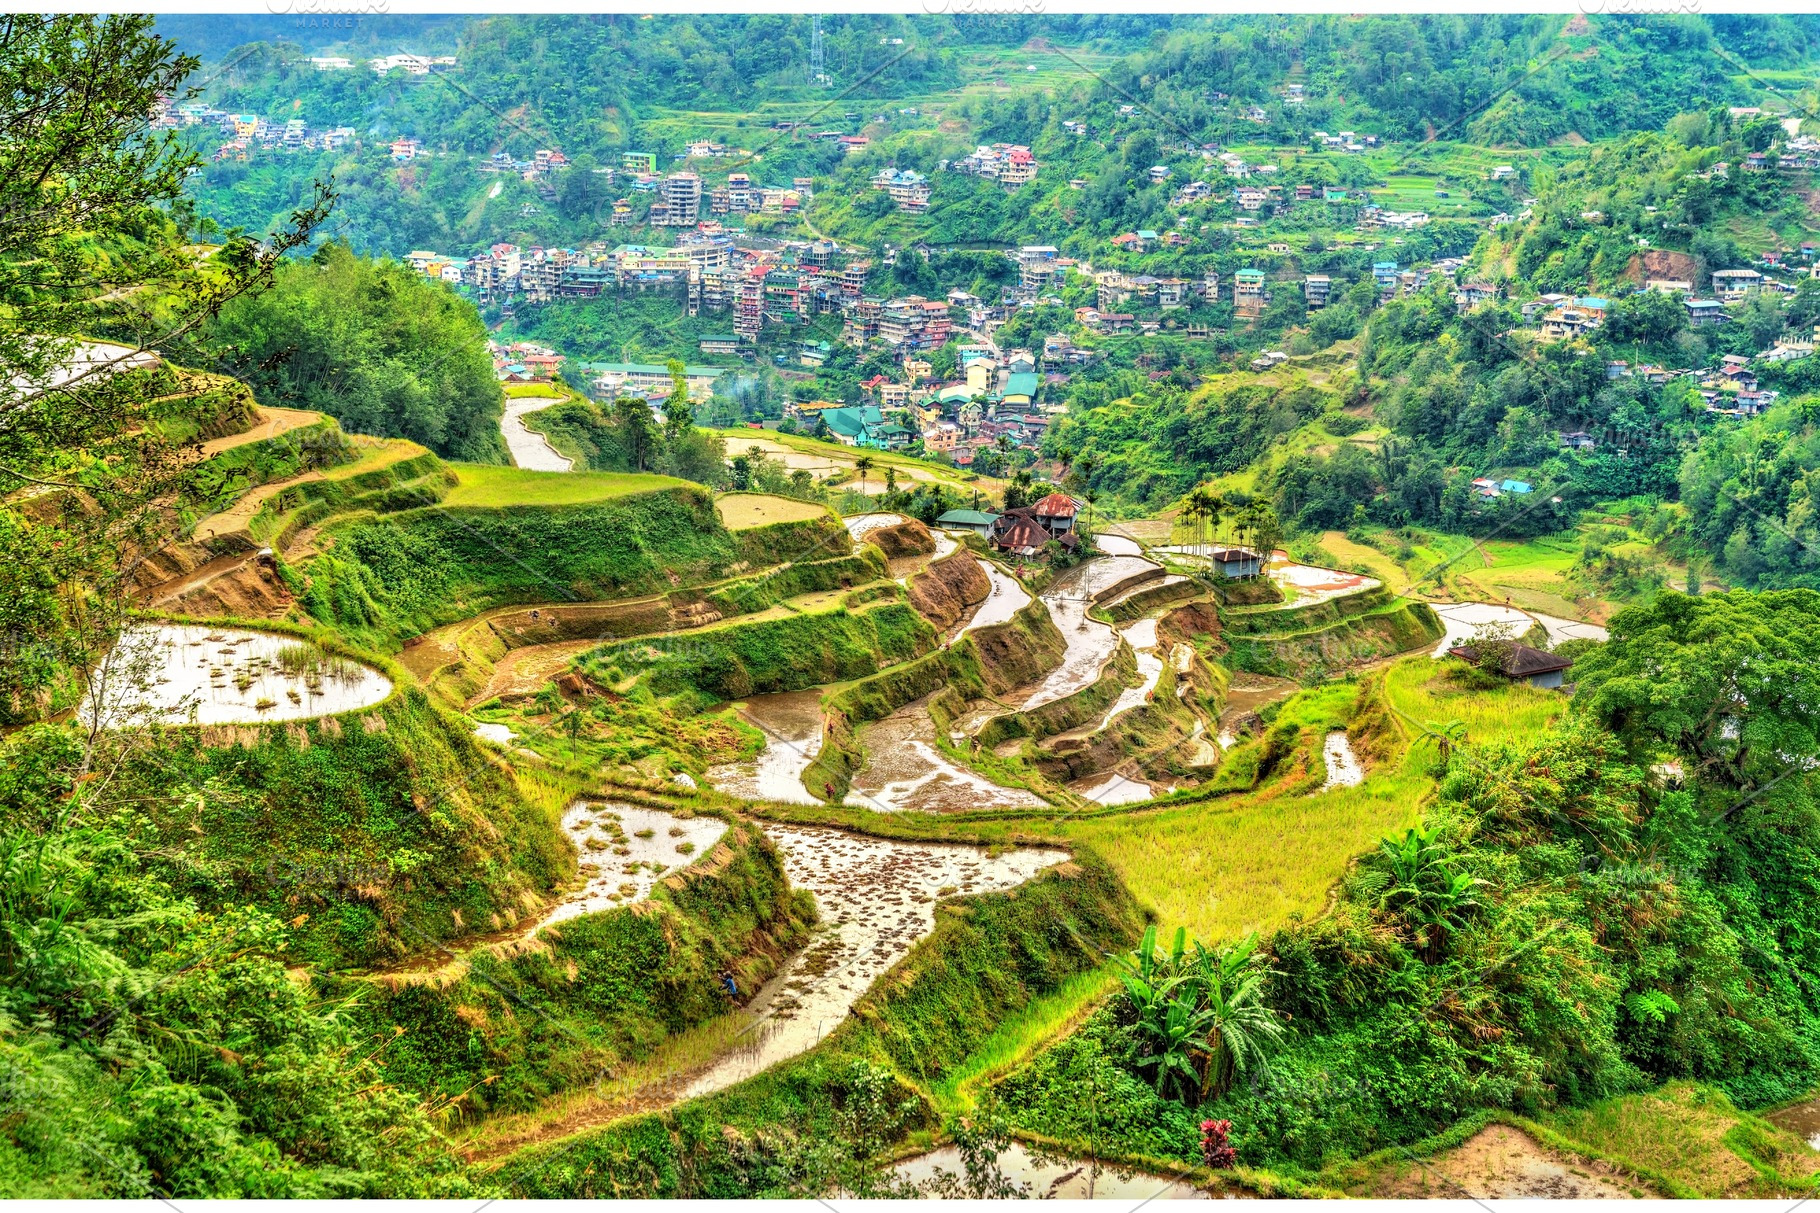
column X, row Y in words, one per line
column 1228, row 867
column 742, row 511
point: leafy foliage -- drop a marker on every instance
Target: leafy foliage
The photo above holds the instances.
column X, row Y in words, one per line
column 379, row 348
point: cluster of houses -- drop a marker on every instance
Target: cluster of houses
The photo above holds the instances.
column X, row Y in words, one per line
column 1009, row 164
column 527, row 362
column 1025, row 530
column 993, row 404
column 404, row 61
column 246, row 133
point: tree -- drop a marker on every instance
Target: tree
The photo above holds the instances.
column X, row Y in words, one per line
column 862, row 465
column 637, row 429
column 1722, row 680
column 372, row 344
column 679, row 414
column 96, row 237
column 1199, row 1015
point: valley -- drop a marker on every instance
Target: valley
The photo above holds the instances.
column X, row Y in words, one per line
column 1064, row 605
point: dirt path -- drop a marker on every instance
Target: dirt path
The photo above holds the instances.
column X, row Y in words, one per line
column 236, row 516
column 1501, row 1163
column 271, row 423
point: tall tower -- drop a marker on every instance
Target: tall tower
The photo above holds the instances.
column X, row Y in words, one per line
column 818, row 74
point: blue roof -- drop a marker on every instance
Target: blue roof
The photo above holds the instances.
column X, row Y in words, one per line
column 1593, row 301
column 1515, row 486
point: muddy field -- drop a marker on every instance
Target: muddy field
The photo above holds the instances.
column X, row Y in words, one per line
column 877, row 899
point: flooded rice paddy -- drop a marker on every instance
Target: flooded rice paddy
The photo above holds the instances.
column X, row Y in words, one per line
column 1091, row 645
column 1559, row 629
column 625, row 850
column 1141, row 636
column 1114, row 788
column 1118, row 545
column 877, row 899
column 1344, row 770
column 1247, row 695
column 792, row 724
column 530, row 450
column 1006, row 599
column 1307, row 584
column 1802, row 1119
column 171, row 673
column 858, row 525
column 1046, row 1177
column 498, row 734
column 1465, row 620
column 905, row 772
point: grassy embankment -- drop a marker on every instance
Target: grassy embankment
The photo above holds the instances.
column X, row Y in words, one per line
column 377, row 833
column 831, row 460
column 505, row 1026
column 504, row 536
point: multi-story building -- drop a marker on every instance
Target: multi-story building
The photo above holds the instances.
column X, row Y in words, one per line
column 1315, row 289
column 1732, row 285
column 678, row 201
column 907, row 188
column 1248, row 294
column 739, row 192
column 914, row 323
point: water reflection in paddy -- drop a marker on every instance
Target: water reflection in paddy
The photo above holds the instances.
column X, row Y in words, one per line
column 905, row 771
column 1052, row 1178
column 624, row 850
column 171, row 673
column 792, row 724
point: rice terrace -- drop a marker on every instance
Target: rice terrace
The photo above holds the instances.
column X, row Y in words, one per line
column 1081, row 606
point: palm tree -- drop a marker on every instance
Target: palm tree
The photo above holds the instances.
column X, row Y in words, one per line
column 890, row 483
column 1202, row 1016
column 862, row 465
column 1241, row 1030
column 1446, row 736
column 1423, row 888
column 1091, row 497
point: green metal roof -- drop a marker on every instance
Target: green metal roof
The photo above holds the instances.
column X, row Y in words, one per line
column 1021, row 383
column 966, row 518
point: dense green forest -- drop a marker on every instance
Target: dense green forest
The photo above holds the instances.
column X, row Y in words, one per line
column 371, row 344
column 1566, row 925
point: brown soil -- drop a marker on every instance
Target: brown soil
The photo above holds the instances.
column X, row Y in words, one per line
column 950, row 589
column 270, row 424
column 1183, row 624
column 251, row 591
column 907, row 538
column 1501, row 1163
column 524, row 671
column 1662, row 263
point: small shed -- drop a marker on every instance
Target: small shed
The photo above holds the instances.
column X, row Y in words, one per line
column 1237, row 562
column 977, row 521
column 1521, row 663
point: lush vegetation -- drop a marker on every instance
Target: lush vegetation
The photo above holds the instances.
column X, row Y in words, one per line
column 1565, row 925
column 370, row 343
